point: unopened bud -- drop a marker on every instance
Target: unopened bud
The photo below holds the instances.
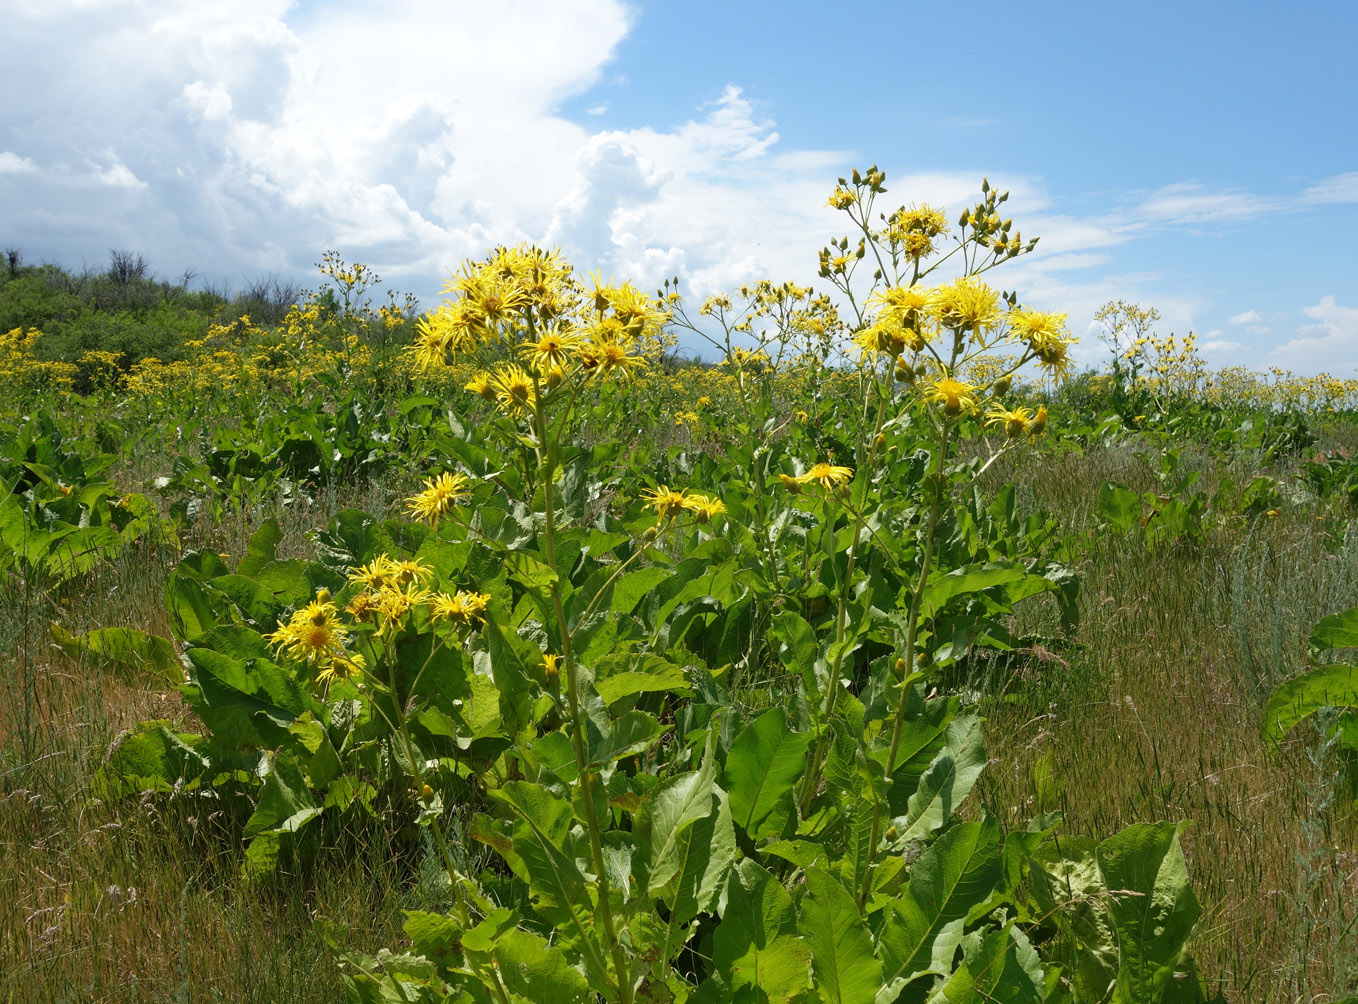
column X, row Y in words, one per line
column 651, row 533
column 900, row 668
column 322, row 596
column 426, row 792
column 1002, row 385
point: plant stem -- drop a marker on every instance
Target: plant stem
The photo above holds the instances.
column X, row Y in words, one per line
column 912, row 628
column 547, row 461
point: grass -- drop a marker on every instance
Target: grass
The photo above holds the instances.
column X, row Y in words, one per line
column 1152, row 714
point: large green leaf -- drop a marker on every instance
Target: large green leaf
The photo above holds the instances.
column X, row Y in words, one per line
column 285, row 802
column 676, row 805
column 756, row 943
column 1332, row 686
column 999, row 966
column 126, row 650
column 845, row 969
column 151, row 757
column 538, row 971
column 922, row 929
column 1151, row 906
column 1337, row 631
column 763, row 765
column 947, row 782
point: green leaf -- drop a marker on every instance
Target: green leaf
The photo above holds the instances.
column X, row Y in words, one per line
column 1333, row 686
column 999, row 966
column 962, row 581
column 538, row 971
column 1151, row 906
column 705, row 851
column 151, row 757
column 127, row 650
column 1337, row 631
column 285, row 802
column 763, row 765
column 633, row 587
column 262, row 549
column 676, row 805
column 629, row 733
column 644, row 674
column 921, row 930
column 846, row 971
column 947, row 782
column 756, row 943
column 1118, row 507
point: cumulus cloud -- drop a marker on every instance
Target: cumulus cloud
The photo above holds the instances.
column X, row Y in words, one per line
column 249, row 137
column 1333, row 336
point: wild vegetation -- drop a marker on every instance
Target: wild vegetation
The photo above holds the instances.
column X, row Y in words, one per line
column 497, row 653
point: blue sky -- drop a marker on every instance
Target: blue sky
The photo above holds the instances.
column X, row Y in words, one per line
column 1197, row 157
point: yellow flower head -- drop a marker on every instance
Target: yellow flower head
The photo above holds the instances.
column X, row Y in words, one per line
column 955, row 396
column 514, row 389
column 1039, row 423
column 554, row 348
column 705, row 508
column 826, row 475
column 481, row 384
column 915, row 229
column 395, row 602
column 440, row 496
column 443, row 333
column 463, row 608
column 1017, row 422
column 314, row 634
column 966, row 304
column 841, row 198
column 667, row 502
column 375, row 574
column 612, row 358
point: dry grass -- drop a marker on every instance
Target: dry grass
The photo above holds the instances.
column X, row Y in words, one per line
column 1178, row 652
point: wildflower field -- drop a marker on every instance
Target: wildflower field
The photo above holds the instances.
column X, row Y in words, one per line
column 498, row 652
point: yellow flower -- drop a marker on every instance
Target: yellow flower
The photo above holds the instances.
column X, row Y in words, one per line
column 314, row 634
column 966, row 304
column 440, row 495
column 554, row 349
column 394, row 602
column 613, row 358
column 704, row 508
column 1039, row 423
column 514, row 389
column 348, row 664
column 840, row 198
column 1016, row 422
column 667, row 502
column 375, row 574
column 481, row 384
column 826, row 475
column 462, row 608
column 955, row 396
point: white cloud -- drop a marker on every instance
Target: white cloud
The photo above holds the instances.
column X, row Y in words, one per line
column 1333, row 336
column 246, row 137
column 1247, row 317
column 1339, row 188
column 1222, row 345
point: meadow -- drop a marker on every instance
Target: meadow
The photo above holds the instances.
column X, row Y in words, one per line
column 500, row 652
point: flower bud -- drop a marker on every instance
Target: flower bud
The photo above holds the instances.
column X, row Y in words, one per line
column 426, row 792
column 900, row 669
column 651, row 533
column 1002, row 385
column 322, row 596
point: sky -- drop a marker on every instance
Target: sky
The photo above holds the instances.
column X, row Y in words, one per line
column 1201, row 158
